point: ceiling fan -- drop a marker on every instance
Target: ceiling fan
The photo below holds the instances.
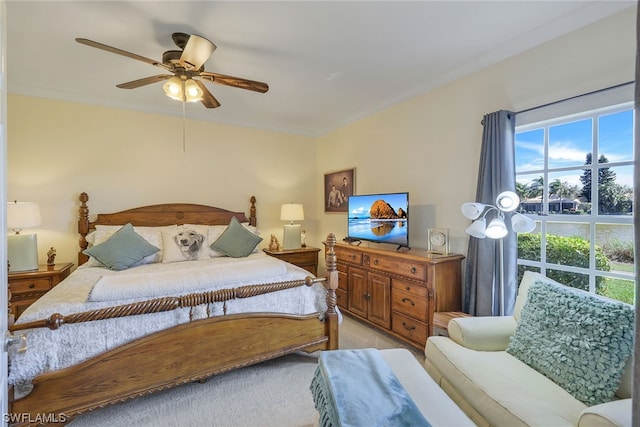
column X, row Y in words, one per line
column 184, row 65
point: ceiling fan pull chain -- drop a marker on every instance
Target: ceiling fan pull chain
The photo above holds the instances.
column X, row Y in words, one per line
column 184, row 132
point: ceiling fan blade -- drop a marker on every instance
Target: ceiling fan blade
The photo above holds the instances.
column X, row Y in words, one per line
column 115, row 50
column 208, row 100
column 145, row 81
column 197, row 51
column 222, row 79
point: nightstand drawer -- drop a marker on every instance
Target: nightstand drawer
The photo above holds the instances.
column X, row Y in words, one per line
column 409, row 328
column 398, row 266
column 302, row 258
column 348, row 255
column 29, row 285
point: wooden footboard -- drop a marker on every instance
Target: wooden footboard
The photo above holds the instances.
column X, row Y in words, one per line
column 181, row 354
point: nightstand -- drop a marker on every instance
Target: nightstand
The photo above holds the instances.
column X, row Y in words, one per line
column 306, row 257
column 27, row 286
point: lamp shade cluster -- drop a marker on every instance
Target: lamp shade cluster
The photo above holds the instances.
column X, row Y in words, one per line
column 506, row 202
column 183, row 89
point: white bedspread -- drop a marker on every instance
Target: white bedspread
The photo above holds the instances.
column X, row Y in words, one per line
column 74, row 343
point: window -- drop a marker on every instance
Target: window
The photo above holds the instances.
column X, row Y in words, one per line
column 574, row 175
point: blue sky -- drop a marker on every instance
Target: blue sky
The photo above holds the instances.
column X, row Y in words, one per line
column 570, row 142
column 361, row 203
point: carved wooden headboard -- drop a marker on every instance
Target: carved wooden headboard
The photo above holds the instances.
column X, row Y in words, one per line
column 157, row 216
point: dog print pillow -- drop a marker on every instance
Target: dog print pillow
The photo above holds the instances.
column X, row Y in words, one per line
column 185, row 243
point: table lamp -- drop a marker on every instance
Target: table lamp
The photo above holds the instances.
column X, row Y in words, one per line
column 22, row 249
column 292, row 233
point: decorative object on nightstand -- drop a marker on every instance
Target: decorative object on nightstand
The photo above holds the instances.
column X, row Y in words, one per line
column 306, row 257
column 292, row 235
column 438, row 241
column 22, row 249
column 303, row 238
column 506, row 203
column 274, row 245
column 27, row 286
column 51, row 256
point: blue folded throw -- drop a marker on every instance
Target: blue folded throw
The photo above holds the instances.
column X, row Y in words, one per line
column 356, row 388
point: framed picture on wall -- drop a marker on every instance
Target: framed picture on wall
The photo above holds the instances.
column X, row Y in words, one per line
column 338, row 186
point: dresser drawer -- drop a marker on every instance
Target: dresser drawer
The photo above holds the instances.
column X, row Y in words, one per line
column 29, row 285
column 353, row 256
column 412, row 304
column 396, row 265
column 409, row 328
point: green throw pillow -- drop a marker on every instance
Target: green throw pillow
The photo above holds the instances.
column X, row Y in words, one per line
column 236, row 241
column 576, row 339
column 122, row 250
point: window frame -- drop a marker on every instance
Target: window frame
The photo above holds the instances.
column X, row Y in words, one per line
column 593, row 219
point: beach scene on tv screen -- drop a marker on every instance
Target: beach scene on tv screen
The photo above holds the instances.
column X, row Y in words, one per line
column 379, row 217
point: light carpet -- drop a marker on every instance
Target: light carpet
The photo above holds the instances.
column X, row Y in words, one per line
column 274, row 393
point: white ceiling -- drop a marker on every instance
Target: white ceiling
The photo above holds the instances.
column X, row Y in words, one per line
column 327, row 62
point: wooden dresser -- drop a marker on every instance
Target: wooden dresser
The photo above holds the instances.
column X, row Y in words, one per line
column 27, row 286
column 398, row 292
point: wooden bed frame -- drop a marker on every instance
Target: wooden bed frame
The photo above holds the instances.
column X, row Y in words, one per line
column 187, row 352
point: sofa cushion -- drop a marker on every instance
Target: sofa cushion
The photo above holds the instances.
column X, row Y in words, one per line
column 502, row 388
column 576, row 339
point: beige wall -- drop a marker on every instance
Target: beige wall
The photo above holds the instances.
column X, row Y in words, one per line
column 428, row 145
column 125, row 159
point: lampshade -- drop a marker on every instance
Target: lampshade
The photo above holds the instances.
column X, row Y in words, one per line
column 192, row 91
column 507, row 201
column 173, row 88
column 473, row 210
column 522, row 223
column 496, row 229
column 22, row 215
column 291, row 212
column 477, row 228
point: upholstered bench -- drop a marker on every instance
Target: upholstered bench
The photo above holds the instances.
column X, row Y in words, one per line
column 429, row 399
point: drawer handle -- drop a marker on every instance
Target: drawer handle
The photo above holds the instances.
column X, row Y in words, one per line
column 408, row 327
column 413, row 270
column 408, row 288
column 352, row 256
column 32, row 285
column 408, row 300
column 367, row 297
column 375, row 261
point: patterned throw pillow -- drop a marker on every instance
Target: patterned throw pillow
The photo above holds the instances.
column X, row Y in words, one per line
column 578, row 340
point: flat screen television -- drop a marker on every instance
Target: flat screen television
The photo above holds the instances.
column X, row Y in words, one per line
column 380, row 218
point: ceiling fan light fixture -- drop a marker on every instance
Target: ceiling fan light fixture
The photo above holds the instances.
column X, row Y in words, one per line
column 173, row 88
column 192, row 91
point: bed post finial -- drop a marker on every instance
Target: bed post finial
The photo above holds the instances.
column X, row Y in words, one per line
column 83, row 226
column 331, row 316
column 252, row 212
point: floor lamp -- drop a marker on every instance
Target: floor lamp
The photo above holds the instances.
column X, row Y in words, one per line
column 506, row 203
